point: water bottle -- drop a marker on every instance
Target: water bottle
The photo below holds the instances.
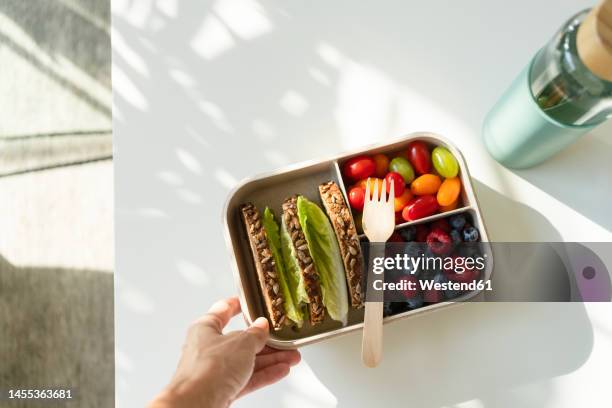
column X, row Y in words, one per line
column 565, row 91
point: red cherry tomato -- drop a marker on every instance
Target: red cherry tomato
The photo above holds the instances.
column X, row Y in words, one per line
column 356, row 198
column 359, row 167
column 398, row 218
column 382, row 165
column 398, row 183
column 421, row 207
column 419, row 156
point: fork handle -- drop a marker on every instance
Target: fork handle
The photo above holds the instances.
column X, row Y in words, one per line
column 372, row 342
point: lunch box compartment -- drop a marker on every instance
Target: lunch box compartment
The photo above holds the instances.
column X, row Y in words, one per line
column 273, row 188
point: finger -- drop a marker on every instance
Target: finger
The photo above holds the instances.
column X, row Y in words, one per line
column 265, row 376
column 220, row 313
column 290, row 357
column 257, row 335
column 268, row 350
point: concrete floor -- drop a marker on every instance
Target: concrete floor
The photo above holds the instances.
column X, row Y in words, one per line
column 56, row 200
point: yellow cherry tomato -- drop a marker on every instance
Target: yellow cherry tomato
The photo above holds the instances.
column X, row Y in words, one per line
column 382, row 165
column 401, row 201
column 449, row 191
column 450, row 207
column 427, row 184
column 372, row 181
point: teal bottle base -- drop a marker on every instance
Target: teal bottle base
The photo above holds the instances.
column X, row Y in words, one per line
column 518, row 134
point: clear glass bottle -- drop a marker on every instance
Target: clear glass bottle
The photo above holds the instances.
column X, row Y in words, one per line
column 555, row 100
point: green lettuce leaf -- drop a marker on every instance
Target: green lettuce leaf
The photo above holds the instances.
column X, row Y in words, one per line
column 294, row 276
column 294, row 313
column 325, row 252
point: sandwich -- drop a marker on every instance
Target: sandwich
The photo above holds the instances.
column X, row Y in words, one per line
column 346, row 233
column 299, row 262
column 264, row 241
column 305, row 266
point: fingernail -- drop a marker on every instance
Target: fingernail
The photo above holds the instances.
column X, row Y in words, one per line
column 261, row 322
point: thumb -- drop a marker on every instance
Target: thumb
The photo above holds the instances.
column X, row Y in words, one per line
column 257, row 333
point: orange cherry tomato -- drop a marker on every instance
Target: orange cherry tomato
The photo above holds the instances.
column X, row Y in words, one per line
column 373, row 181
column 449, row 191
column 401, row 201
column 427, row 184
column 382, row 165
column 450, row 207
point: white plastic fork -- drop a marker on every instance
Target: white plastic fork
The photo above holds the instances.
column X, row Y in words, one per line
column 378, row 223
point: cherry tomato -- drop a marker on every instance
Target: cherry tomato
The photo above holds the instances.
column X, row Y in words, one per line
column 401, row 201
column 449, row 191
column 402, row 166
column 356, row 198
column 426, row 184
column 450, row 207
column 418, row 155
column 398, row 218
column 372, row 181
column 382, row 165
column 359, row 167
column 421, row 207
column 398, row 183
column 444, row 162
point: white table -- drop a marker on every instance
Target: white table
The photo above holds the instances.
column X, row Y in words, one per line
column 207, row 93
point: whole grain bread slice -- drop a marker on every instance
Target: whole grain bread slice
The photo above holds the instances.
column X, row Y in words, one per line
column 348, row 240
column 267, row 273
column 305, row 263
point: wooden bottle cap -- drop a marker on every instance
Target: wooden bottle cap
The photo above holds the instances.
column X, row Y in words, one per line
column 594, row 40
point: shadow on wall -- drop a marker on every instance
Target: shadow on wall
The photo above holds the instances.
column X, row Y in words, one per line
column 56, row 330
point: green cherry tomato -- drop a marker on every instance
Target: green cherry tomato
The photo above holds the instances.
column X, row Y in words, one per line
column 402, row 166
column 444, row 162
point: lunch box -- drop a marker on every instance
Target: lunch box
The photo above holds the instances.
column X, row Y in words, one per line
column 304, row 178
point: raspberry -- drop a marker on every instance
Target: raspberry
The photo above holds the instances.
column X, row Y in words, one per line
column 396, row 237
column 421, row 233
column 441, row 224
column 439, row 242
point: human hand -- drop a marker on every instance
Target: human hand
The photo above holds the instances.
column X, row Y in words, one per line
column 216, row 368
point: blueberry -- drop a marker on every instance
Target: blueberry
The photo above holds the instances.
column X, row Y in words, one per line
column 398, row 307
column 457, row 221
column 408, row 233
column 456, row 236
column 415, row 302
column 470, row 234
column 439, row 277
column 387, row 311
column 451, row 293
column 470, row 250
column 413, row 249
